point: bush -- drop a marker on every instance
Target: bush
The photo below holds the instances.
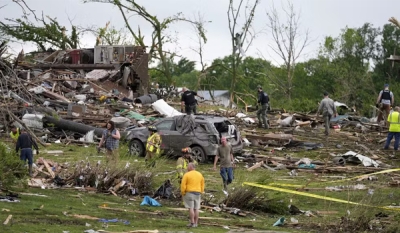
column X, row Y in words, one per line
column 249, row 198
column 12, row 168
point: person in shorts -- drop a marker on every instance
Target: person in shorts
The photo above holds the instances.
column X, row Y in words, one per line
column 192, row 186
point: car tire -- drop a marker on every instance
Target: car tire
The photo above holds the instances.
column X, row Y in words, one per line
column 136, row 148
column 198, row 154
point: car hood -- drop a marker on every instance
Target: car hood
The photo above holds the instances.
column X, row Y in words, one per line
column 138, row 132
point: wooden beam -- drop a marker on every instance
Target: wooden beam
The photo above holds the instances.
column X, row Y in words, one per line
column 7, row 219
column 48, row 168
column 270, row 136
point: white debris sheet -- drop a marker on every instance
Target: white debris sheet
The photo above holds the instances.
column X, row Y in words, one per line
column 245, row 118
column 367, row 162
column 164, row 109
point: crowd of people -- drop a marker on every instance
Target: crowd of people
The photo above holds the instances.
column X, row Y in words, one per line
column 191, row 182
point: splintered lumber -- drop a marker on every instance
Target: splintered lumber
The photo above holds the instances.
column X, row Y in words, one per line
column 271, row 136
column 83, row 216
column 55, row 96
column 143, row 231
column 7, row 219
column 48, row 168
column 257, row 165
column 303, row 123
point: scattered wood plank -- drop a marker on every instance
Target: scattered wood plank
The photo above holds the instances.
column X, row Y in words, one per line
column 271, row 136
column 257, row 165
column 48, row 168
column 7, row 219
column 83, row 216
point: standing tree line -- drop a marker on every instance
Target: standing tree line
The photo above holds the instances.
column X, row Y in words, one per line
column 351, row 66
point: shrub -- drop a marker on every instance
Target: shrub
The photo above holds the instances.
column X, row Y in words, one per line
column 12, row 168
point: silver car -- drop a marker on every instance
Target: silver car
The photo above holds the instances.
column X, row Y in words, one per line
column 200, row 132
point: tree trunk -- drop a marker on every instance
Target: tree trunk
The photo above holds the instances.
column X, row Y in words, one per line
column 73, row 126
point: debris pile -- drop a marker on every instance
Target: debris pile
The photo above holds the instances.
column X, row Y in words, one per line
column 128, row 181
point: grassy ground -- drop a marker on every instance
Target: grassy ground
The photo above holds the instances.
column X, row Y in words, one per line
column 57, row 210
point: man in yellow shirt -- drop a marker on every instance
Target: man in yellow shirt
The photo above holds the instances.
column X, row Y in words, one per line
column 192, row 186
column 394, row 129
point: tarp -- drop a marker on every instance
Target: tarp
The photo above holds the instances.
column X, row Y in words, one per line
column 135, row 115
column 149, row 201
column 162, row 107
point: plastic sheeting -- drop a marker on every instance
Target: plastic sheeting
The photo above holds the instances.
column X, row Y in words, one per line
column 367, row 162
column 162, row 107
column 135, row 115
column 149, row 201
column 245, row 118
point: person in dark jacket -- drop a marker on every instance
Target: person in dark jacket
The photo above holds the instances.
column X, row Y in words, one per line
column 263, row 100
column 25, row 143
column 189, row 101
column 384, row 102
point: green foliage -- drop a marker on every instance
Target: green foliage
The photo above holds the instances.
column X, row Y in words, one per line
column 50, row 34
column 12, row 168
column 111, row 36
column 183, row 73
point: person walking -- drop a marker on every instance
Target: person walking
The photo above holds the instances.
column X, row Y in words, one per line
column 192, row 186
column 110, row 140
column 263, row 100
column 183, row 161
column 188, row 101
column 328, row 109
column 225, row 155
column 153, row 145
column 394, row 129
column 25, row 143
column 384, row 102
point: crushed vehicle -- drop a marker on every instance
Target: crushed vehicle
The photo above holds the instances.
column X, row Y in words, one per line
column 200, row 132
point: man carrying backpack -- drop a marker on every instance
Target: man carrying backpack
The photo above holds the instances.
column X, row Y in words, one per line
column 384, row 102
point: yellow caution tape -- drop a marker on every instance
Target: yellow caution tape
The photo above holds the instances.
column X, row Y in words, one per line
column 366, row 175
column 337, row 181
column 313, row 195
column 287, row 185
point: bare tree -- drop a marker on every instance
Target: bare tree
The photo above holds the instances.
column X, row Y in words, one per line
column 158, row 36
column 239, row 36
column 201, row 39
column 288, row 42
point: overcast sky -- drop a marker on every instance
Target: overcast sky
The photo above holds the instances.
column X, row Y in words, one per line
column 321, row 17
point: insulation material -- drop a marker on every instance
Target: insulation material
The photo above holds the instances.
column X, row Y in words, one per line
column 89, row 136
column 164, row 109
column 33, row 120
column 97, row 74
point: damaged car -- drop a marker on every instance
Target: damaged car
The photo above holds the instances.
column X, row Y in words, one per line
column 202, row 133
